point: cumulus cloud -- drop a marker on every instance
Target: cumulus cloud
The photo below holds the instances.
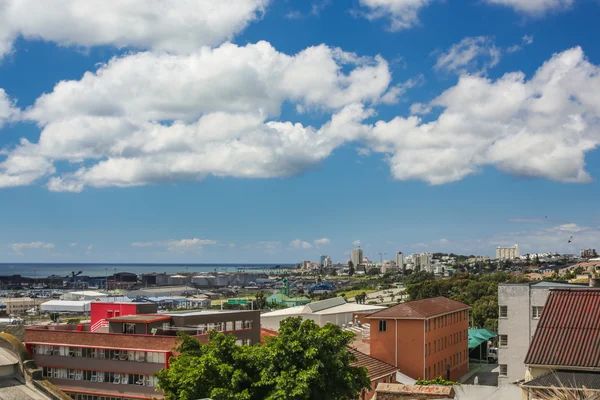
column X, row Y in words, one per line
column 356, row 243
column 181, row 245
column 403, row 14
column 179, row 26
column 219, row 105
column 534, row 7
column 73, row 244
column 469, row 55
column 322, row 242
column 299, row 244
column 8, row 109
column 541, row 127
column 19, row 247
column 525, row 41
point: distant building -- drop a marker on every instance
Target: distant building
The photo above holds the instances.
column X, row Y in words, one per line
column 425, row 261
column 520, row 309
column 400, row 261
column 327, row 262
column 357, row 256
column 507, row 253
column 588, row 253
column 323, row 258
column 425, row 339
column 283, row 297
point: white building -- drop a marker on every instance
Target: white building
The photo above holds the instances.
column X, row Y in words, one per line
column 334, row 310
column 327, row 261
column 507, row 253
column 520, row 307
column 400, row 260
column 425, row 262
column 83, row 295
column 357, row 256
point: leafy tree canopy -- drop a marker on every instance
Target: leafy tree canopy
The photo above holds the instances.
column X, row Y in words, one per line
column 304, row 362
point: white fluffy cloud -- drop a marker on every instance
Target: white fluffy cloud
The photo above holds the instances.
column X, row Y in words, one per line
column 356, row 243
column 19, row 247
column 470, row 54
column 181, row 245
column 541, row 127
column 219, row 105
column 534, row 7
column 179, row 26
column 299, row 244
column 403, row 14
column 8, row 110
column 322, row 242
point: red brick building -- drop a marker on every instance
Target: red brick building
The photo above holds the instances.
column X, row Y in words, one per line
column 425, row 339
column 116, row 356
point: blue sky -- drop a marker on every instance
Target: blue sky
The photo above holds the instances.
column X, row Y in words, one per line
column 276, row 131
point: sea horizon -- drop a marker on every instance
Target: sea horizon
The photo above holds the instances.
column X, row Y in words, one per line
column 42, row 270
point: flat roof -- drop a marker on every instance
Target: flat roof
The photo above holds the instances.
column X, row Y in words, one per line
column 350, row 307
column 146, row 318
column 186, row 313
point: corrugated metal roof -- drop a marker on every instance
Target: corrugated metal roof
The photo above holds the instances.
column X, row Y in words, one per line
column 375, row 368
column 567, row 379
column 421, row 309
column 568, row 333
column 328, row 303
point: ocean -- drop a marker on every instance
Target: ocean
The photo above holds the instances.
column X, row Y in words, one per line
column 44, row 270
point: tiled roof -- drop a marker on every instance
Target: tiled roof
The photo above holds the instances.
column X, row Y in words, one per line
column 421, row 309
column 375, row 368
column 568, row 333
column 570, row 379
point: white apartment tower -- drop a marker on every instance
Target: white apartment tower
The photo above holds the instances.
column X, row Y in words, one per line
column 357, row 256
column 425, row 260
column 507, row 253
column 400, row 260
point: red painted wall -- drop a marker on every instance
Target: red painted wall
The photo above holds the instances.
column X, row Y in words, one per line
column 108, row 310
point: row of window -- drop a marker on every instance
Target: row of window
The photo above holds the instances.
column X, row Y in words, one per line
column 536, row 312
column 445, row 320
column 440, row 368
column 443, row 343
column 223, row 326
column 79, row 396
column 97, row 376
column 84, row 352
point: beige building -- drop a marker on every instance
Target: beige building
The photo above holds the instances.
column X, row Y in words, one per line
column 20, row 305
column 507, row 253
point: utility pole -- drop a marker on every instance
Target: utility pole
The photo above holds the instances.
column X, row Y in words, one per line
column 381, row 257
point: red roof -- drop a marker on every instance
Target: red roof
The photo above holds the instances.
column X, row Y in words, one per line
column 421, row 309
column 375, row 368
column 568, row 333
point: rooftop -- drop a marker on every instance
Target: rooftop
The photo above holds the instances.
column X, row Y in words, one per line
column 375, row 368
column 190, row 313
column 421, row 309
column 145, row 318
column 567, row 379
column 568, row 333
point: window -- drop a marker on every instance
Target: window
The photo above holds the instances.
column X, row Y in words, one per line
column 434, row 346
column 435, row 369
column 503, row 340
column 382, row 325
column 503, row 312
column 129, row 329
column 503, row 369
column 536, row 312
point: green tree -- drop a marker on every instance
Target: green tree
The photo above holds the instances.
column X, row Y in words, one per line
column 304, row 362
column 350, row 268
column 374, row 271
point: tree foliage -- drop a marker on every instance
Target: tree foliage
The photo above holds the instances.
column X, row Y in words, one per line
column 304, row 362
column 478, row 291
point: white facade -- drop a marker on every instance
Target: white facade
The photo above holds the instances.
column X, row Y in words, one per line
column 425, row 261
column 400, row 260
column 507, row 253
column 327, row 261
column 357, row 256
column 520, row 307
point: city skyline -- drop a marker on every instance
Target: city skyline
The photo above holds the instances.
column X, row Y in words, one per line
column 273, row 132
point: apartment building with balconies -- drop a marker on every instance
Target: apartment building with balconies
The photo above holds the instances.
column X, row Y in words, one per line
column 118, row 359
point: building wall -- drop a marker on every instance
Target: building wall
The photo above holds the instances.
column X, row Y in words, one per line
column 108, row 310
column 519, row 326
column 447, row 344
column 405, row 349
column 385, row 379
